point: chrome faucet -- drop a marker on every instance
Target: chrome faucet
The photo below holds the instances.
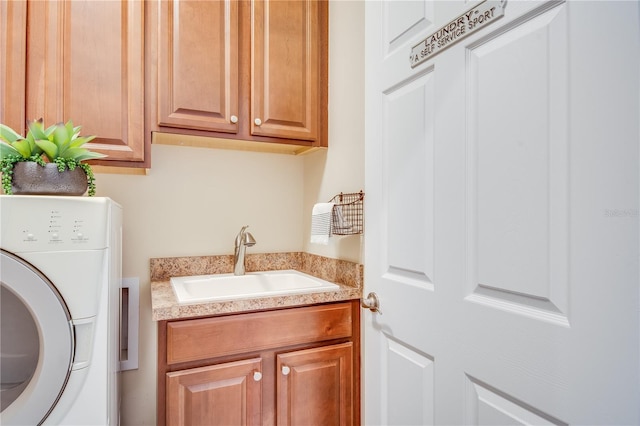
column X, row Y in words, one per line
column 243, row 240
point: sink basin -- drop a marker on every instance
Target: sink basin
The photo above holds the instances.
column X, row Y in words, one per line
column 220, row 287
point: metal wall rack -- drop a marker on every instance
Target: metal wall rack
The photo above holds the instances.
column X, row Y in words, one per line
column 347, row 215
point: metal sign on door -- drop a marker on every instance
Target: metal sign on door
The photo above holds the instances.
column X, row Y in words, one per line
column 455, row 30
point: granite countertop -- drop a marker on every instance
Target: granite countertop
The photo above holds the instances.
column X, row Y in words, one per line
column 164, row 305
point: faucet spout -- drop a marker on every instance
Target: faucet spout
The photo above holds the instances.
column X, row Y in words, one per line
column 244, row 239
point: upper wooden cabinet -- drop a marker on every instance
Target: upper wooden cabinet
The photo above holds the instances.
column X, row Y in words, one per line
column 81, row 61
column 249, row 70
column 285, row 69
column 13, row 57
column 198, row 65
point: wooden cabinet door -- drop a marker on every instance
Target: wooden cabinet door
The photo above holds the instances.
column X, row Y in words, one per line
column 315, row 386
column 85, row 62
column 198, row 65
column 13, row 51
column 285, row 69
column 223, row 394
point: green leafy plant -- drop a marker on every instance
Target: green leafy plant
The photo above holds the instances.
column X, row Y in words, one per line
column 60, row 144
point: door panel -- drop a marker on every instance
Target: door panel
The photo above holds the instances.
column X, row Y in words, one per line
column 407, row 368
column 489, row 406
column 502, row 216
column 408, row 149
column 404, row 20
column 517, row 165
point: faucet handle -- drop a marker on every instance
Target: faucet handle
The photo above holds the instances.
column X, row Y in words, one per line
column 248, row 239
column 239, row 236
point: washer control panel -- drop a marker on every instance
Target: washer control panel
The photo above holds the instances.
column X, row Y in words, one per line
column 43, row 223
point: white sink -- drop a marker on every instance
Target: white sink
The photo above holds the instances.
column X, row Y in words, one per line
column 219, row 287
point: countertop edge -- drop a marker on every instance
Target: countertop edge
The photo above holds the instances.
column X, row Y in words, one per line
column 164, row 305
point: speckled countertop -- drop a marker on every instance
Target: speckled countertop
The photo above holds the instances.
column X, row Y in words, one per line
column 164, row 306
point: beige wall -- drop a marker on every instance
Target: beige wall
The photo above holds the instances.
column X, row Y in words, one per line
column 341, row 167
column 193, row 200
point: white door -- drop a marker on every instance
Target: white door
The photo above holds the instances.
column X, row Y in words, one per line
column 502, row 215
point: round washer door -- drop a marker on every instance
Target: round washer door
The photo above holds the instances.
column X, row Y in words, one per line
column 36, row 343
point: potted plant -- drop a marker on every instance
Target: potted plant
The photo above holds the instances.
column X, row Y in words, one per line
column 46, row 161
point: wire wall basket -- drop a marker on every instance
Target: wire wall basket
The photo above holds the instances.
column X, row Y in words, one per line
column 347, row 215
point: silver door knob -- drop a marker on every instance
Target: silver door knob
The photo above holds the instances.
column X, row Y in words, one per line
column 234, row 119
column 372, row 302
column 286, row 370
column 257, row 376
column 257, row 121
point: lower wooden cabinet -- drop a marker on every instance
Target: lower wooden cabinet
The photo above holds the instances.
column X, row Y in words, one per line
column 296, row 366
column 315, row 386
column 223, row 394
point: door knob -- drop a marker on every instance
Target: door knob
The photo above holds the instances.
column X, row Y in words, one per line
column 234, row 119
column 258, row 122
column 257, row 376
column 286, row 370
column 372, row 302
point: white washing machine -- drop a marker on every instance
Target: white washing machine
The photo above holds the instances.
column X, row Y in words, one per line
column 60, row 275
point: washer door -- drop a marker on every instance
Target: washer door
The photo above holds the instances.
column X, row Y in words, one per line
column 36, row 343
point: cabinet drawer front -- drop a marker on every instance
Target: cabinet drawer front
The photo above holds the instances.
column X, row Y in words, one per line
column 235, row 334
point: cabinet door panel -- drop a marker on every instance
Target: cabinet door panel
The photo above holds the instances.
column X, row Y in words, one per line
column 198, row 65
column 314, row 386
column 13, row 51
column 223, row 394
column 285, row 69
column 86, row 63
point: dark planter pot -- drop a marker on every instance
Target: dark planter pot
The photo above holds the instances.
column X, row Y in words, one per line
column 29, row 178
